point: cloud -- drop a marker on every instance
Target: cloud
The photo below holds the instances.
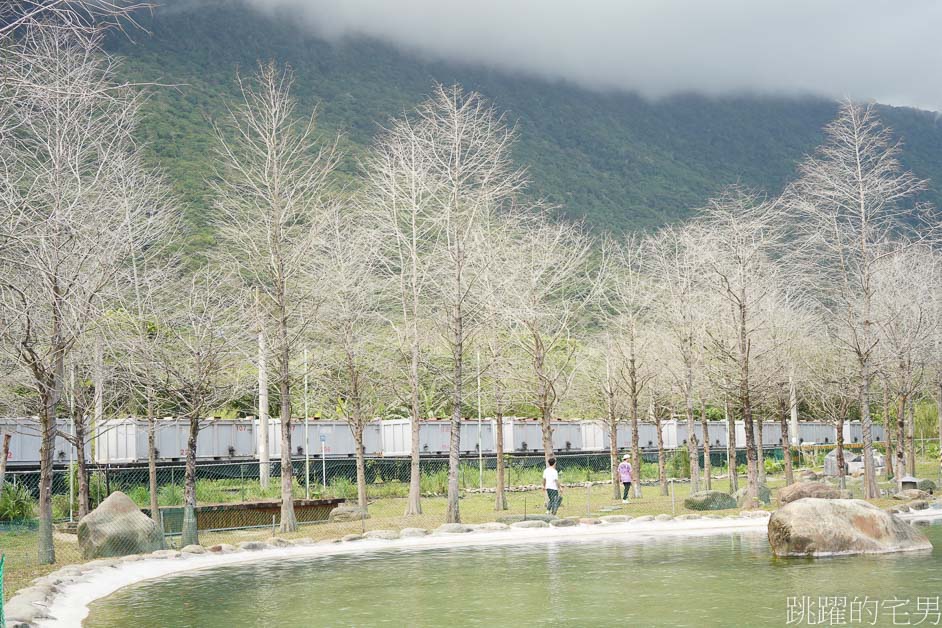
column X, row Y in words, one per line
column 866, row 49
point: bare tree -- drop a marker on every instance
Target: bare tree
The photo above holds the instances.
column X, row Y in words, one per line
column 740, row 235
column 560, row 281
column 471, row 177
column 397, row 172
column 82, row 17
column 194, row 352
column 853, row 198
column 675, row 261
column 350, row 326
column 72, row 219
column 833, row 394
column 272, row 193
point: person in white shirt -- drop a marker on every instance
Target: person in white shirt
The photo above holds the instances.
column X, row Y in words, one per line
column 554, row 496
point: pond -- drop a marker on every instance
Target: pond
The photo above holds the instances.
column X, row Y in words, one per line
column 720, row 580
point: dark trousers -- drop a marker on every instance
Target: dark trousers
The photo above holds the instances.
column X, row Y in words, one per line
column 553, row 500
column 627, row 486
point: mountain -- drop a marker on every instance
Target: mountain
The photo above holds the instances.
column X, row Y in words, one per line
column 614, row 159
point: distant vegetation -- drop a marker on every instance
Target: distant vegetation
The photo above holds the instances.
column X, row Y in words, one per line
column 615, row 159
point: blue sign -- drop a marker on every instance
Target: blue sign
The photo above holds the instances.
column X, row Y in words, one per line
column 323, row 438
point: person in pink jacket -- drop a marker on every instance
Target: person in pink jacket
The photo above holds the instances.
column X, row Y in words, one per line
column 624, row 475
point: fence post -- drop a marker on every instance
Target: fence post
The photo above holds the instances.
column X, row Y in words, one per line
column 107, row 481
column 673, row 508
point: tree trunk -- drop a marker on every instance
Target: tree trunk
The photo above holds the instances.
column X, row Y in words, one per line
column 414, row 503
column 693, row 451
column 760, row 450
column 81, row 466
column 152, row 459
column 190, row 534
column 264, row 461
column 888, row 434
column 841, row 471
column 452, row 514
column 786, row 443
column 866, row 423
column 636, row 461
column 707, row 463
column 4, row 455
column 613, row 444
column 49, row 398
column 661, row 462
column 730, row 447
column 911, row 437
column 288, row 521
column 752, row 477
column 900, row 448
column 357, row 429
column 500, row 497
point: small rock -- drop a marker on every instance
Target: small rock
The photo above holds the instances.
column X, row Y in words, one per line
column 130, row 558
column 352, row 537
column 564, row 523
column 590, row 521
column 412, row 532
column 754, row 513
column 530, row 524
column 347, row 513
column 385, row 535
column 614, row 518
column 304, row 540
column 491, row 526
column 919, row 504
column 686, row 517
column 663, row 517
column 328, row 542
column 710, row 500
column 168, row 553
column 253, row 546
column 508, row 519
column 641, row 519
column 452, row 528
column 223, row 548
column 277, row 541
column 193, row 549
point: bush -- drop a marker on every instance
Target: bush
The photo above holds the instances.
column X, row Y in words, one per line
column 773, row 466
column 678, row 464
column 435, row 482
column 16, row 503
column 342, row 488
column 170, row 495
column 140, row 495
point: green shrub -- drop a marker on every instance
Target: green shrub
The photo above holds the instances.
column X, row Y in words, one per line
column 170, row 495
column 342, row 488
column 678, row 464
column 773, row 466
column 140, row 495
column 60, row 507
column 16, row 503
column 434, row 482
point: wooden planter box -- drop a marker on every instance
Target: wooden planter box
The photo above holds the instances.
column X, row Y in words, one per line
column 246, row 514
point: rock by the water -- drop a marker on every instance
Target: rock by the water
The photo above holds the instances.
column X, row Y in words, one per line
column 919, row 504
column 686, row 517
column 508, row 519
column 412, row 532
column 764, row 495
column 193, row 549
column 385, row 535
column 911, row 493
column 534, row 523
column 710, row 500
column 590, row 521
column 253, row 546
column 452, row 528
column 614, row 518
column 491, row 526
column 564, row 523
column 117, row 528
column 641, row 519
column 663, row 517
column 823, row 527
column 222, row 548
column 347, row 513
column 349, row 538
column 277, row 541
column 167, row 553
column 817, row 490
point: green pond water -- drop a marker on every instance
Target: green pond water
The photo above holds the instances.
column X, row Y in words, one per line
column 721, row 580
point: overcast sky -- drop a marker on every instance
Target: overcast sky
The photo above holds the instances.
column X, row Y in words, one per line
column 867, row 49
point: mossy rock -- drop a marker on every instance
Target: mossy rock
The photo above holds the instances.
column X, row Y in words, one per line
column 710, row 500
column 926, row 485
column 764, row 495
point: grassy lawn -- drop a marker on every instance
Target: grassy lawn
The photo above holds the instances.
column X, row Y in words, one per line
column 387, row 513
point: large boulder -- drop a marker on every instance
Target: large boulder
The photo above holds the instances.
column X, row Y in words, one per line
column 926, row 485
column 911, row 493
column 765, row 495
column 817, row 490
column 807, row 475
column 710, row 500
column 117, row 528
column 825, row 527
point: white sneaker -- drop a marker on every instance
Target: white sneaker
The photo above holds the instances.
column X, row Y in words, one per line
column 624, row 501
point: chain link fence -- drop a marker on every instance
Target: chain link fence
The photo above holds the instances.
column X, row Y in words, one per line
column 233, row 506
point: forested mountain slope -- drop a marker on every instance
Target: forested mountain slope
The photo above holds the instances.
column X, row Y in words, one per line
column 616, row 159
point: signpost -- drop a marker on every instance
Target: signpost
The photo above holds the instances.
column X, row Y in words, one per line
column 324, row 459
